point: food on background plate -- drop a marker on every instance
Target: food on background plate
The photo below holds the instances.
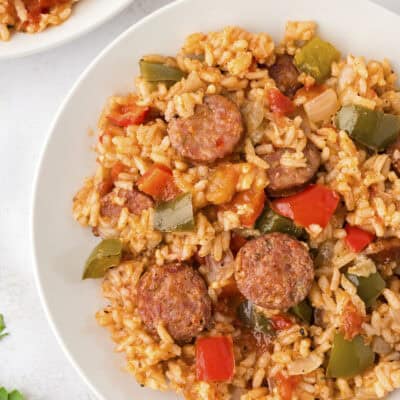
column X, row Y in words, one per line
column 31, row 16
column 246, row 200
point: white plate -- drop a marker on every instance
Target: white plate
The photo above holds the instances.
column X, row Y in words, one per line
column 86, row 15
column 60, row 244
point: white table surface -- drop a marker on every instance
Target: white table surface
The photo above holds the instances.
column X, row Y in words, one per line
column 31, row 90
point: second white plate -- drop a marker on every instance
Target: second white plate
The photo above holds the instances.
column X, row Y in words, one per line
column 86, row 15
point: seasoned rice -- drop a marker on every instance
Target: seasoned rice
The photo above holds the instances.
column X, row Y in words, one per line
column 234, row 62
column 15, row 16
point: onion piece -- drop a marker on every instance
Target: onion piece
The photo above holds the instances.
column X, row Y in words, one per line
column 253, row 114
column 218, row 271
column 322, row 107
column 304, row 366
column 380, row 346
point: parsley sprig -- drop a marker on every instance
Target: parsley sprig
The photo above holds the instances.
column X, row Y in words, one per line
column 14, row 395
column 2, row 333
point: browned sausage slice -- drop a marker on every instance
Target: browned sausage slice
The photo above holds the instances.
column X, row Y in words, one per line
column 285, row 75
column 285, row 180
column 211, row 133
column 274, row 271
column 135, row 201
column 394, row 153
column 108, row 208
column 175, row 295
column 384, row 250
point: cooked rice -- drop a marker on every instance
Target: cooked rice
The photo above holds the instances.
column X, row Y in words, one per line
column 14, row 16
column 232, row 62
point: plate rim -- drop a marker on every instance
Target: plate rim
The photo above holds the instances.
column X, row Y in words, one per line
column 74, row 35
column 37, row 175
column 40, row 165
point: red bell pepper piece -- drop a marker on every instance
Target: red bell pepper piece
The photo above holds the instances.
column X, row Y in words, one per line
column 281, row 322
column 279, row 103
column 159, row 183
column 286, row 385
column 357, row 238
column 253, row 199
column 314, row 205
column 215, row 361
column 129, row 115
column 352, row 321
column 117, row 168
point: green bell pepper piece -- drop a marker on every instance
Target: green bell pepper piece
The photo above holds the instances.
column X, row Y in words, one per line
column 349, row 358
column 270, row 221
column 154, row 85
column 251, row 318
column 105, row 255
column 315, row 58
column 175, row 215
column 304, row 311
column 156, row 72
column 374, row 129
column 368, row 288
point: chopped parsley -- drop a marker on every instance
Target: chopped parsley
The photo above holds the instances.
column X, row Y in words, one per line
column 14, row 395
column 2, row 335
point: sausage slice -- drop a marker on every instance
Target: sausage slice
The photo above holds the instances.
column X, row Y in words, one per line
column 384, row 250
column 274, row 271
column 285, row 75
column 134, row 200
column 175, row 295
column 285, row 180
column 211, row 133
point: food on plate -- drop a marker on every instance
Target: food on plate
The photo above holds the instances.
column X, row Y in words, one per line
column 285, row 180
column 211, row 133
column 274, row 271
column 31, row 16
column 246, row 200
column 174, row 295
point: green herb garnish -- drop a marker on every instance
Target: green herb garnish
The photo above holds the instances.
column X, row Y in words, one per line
column 2, row 335
column 14, row 395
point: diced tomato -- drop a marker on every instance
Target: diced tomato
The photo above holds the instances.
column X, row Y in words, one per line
column 352, row 321
column 281, row 322
column 279, row 103
column 215, row 360
column 117, row 168
column 129, row 115
column 105, row 187
column 248, row 204
column 314, row 205
column 159, row 183
column 237, row 242
column 286, row 385
column 357, row 238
